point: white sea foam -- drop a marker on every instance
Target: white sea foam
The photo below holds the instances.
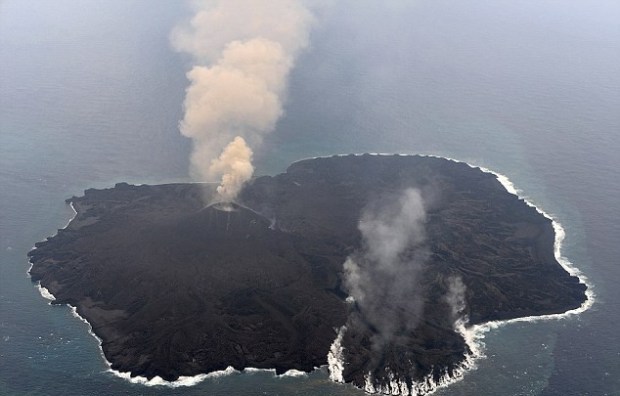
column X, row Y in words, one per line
column 294, row 373
column 182, row 381
column 45, row 293
column 196, row 379
column 72, row 217
column 258, row 370
column 288, row 373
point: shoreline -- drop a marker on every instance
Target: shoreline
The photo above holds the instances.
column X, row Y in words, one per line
column 473, row 335
column 45, row 293
column 158, row 381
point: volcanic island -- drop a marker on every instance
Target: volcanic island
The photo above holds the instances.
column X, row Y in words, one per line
column 174, row 287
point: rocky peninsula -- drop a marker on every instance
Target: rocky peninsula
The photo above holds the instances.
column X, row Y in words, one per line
column 174, row 287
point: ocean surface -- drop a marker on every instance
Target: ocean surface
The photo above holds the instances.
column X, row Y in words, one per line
column 91, row 93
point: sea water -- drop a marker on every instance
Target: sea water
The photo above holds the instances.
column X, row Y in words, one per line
column 91, row 93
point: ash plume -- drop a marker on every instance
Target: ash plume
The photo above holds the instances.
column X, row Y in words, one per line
column 383, row 277
column 242, row 55
column 235, row 164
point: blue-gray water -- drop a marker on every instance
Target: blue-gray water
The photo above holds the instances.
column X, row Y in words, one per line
column 90, row 94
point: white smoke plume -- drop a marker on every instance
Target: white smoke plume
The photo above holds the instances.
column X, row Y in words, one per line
column 243, row 52
column 383, row 277
column 335, row 357
column 456, row 299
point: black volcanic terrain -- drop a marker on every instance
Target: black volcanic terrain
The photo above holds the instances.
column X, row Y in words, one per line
column 174, row 287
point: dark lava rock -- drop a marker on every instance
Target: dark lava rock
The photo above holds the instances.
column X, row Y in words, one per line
column 176, row 288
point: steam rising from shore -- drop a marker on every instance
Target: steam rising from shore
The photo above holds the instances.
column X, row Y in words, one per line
column 456, row 299
column 243, row 54
column 383, row 277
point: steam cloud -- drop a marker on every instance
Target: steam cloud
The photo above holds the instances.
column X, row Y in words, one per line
column 382, row 278
column 243, row 53
column 456, row 299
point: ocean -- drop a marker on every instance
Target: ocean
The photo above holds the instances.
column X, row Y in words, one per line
column 91, row 94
